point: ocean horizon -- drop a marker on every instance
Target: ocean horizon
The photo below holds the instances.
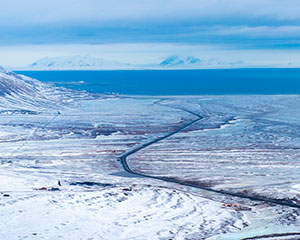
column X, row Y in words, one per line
column 265, row 81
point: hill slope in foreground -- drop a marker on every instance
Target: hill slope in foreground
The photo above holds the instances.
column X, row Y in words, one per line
column 61, row 178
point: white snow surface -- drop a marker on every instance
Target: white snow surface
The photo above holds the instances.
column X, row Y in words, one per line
column 19, row 92
column 114, row 212
column 61, row 179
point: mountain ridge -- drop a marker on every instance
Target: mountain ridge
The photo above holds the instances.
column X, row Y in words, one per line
column 74, row 62
column 91, row 63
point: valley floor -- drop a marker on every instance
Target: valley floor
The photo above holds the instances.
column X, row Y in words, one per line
column 61, row 177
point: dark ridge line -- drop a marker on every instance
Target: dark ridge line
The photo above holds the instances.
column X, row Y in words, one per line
column 122, row 159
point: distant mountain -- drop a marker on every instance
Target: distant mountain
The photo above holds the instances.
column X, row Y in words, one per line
column 173, row 61
column 91, row 63
column 74, row 62
column 192, row 62
column 177, row 62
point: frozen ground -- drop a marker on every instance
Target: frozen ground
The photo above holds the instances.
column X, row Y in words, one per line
column 79, row 148
column 61, row 178
column 243, row 143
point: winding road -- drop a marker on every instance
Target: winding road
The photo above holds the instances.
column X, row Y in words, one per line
column 123, row 160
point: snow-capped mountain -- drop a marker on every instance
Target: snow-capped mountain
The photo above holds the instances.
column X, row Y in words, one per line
column 176, row 61
column 192, row 62
column 74, row 62
column 172, row 61
column 21, row 92
column 68, row 62
column 91, row 63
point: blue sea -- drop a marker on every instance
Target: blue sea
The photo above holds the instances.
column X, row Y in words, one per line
column 176, row 82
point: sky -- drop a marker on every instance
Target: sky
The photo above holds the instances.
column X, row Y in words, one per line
column 257, row 32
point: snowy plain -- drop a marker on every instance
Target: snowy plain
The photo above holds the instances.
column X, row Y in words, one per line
column 61, row 177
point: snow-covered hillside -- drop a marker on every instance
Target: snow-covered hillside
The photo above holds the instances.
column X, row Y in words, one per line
column 13, row 84
column 21, row 92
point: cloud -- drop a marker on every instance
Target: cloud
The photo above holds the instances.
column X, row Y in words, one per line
column 147, row 53
column 260, row 31
column 103, row 12
column 233, row 24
